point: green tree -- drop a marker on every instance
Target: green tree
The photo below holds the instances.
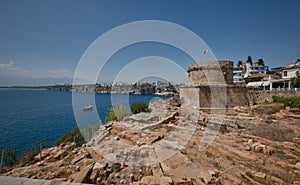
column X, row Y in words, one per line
column 249, row 60
column 239, row 63
column 261, row 62
column 296, row 81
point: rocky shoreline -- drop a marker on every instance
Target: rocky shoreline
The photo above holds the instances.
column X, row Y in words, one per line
column 254, row 145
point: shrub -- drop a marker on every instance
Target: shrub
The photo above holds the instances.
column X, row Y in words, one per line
column 31, row 152
column 223, row 129
column 139, row 107
column 111, row 116
column 31, row 174
column 26, row 157
column 118, row 113
column 293, row 102
column 9, row 156
column 70, row 136
column 35, row 148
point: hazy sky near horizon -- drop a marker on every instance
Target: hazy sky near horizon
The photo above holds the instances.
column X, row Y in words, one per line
column 47, row 38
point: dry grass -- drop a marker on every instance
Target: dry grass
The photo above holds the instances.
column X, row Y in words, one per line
column 274, row 132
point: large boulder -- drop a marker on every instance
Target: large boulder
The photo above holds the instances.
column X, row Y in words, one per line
column 153, row 180
column 83, row 175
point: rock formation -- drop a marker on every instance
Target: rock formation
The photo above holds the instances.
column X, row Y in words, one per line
column 253, row 146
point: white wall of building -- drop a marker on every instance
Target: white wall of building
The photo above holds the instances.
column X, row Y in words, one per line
column 290, row 73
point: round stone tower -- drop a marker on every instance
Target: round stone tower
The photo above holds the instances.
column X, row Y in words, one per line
column 211, row 73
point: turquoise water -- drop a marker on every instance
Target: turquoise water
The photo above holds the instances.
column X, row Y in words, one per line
column 30, row 116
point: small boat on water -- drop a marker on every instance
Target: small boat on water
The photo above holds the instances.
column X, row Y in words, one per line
column 89, row 107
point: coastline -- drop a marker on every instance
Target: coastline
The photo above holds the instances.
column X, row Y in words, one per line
column 47, row 88
column 242, row 140
column 23, row 88
column 45, row 111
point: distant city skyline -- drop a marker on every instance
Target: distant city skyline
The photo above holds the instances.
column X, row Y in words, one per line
column 41, row 42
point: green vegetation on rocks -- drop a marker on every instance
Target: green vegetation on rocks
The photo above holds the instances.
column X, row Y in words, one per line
column 139, row 107
column 118, row 113
column 293, row 102
column 296, row 81
column 70, row 137
column 31, row 152
column 9, row 156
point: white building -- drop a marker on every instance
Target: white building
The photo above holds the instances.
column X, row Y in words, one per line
column 238, row 75
column 291, row 71
column 269, row 82
column 247, row 70
column 255, row 69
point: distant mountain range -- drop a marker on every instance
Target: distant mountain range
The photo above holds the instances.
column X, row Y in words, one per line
column 34, row 81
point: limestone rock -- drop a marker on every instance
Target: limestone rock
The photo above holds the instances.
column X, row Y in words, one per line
column 276, row 180
column 100, row 165
column 296, row 183
column 259, row 148
column 153, row 180
column 60, row 154
column 260, row 177
column 155, row 138
column 82, row 175
column 94, row 175
column 250, row 142
column 77, row 159
column 297, row 165
column 207, row 176
column 268, row 151
column 247, row 148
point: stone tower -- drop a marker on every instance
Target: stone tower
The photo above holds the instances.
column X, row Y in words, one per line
column 210, row 85
column 206, row 73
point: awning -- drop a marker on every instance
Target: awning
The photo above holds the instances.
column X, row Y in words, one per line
column 266, row 83
column 258, row 84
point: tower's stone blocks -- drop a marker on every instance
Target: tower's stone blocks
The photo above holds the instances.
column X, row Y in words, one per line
column 209, row 73
column 210, row 85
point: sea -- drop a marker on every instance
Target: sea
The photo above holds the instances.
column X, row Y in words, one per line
column 31, row 116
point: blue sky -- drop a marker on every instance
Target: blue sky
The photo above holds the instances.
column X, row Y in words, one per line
column 40, row 39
